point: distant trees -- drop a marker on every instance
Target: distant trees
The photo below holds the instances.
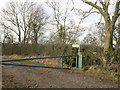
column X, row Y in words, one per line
column 90, row 40
column 100, row 33
column 25, row 19
column 67, row 30
column 62, row 23
column 23, row 23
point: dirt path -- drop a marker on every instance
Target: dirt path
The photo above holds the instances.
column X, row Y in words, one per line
column 16, row 76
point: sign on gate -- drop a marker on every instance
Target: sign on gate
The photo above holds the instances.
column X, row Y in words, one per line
column 75, row 45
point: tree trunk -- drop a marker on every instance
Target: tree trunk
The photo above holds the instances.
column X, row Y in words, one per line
column 108, row 54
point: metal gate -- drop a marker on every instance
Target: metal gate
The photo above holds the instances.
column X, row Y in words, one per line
column 78, row 61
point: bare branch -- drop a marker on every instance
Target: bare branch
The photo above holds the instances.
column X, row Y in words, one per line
column 116, row 13
column 95, row 6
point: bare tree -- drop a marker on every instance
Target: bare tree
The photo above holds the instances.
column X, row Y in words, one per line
column 67, row 30
column 38, row 21
column 110, row 21
column 25, row 19
column 11, row 18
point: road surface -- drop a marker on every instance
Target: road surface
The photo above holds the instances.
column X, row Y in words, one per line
column 29, row 77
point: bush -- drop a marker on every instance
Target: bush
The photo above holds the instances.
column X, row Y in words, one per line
column 91, row 55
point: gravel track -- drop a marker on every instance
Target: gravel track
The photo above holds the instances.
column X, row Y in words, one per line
column 30, row 77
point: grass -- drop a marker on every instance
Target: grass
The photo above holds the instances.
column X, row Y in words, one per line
column 38, row 63
column 117, row 75
column 98, row 73
column 7, row 58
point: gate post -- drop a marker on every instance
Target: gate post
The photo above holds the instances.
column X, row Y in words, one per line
column 79, row 61
column 62, row 62
column 78, row 57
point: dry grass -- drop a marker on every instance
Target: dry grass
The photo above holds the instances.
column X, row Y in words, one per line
column 98, row 72
column 51, row 62
column 101, row 73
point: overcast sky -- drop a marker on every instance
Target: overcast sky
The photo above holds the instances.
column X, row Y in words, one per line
column 77, row 4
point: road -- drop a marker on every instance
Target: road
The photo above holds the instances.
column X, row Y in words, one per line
column 29, row 77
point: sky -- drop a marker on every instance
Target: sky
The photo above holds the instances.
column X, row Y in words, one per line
column 77, row 3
